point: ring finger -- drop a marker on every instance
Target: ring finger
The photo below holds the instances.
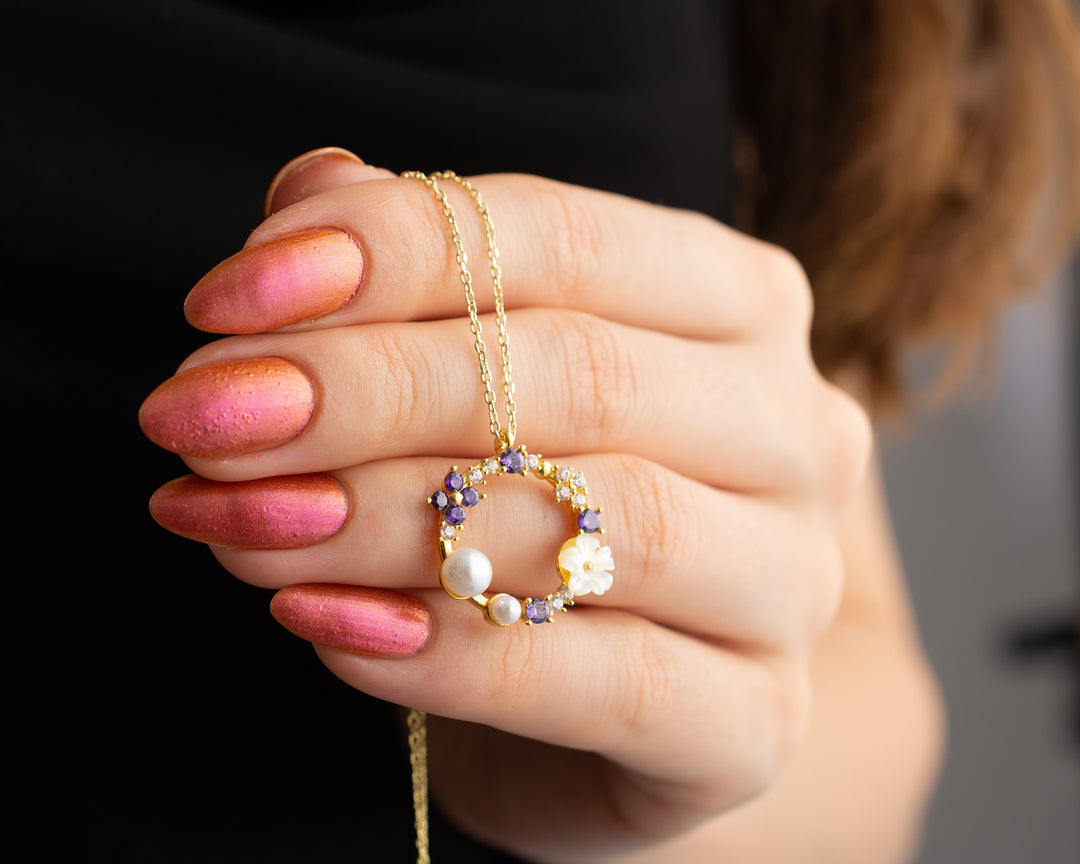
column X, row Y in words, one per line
column 727, row 583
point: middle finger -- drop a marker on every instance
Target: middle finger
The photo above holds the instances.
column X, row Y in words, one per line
column 391, row 390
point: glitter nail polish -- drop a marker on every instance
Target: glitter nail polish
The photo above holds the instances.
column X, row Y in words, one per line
column 368, row 621
column 229, row 408
column 289, row 512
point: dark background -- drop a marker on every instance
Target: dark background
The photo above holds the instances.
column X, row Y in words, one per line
column 159, row 713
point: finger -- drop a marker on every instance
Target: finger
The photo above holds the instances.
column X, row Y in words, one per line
column 606, row 682
column 365, row 393
column 727, row 567
column 559, row 245
column 315, row 172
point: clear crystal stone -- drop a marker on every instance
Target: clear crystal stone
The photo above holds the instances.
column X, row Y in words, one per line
column 448, row 532
column 532, row 462
column 563, row 475
column 562, row 493
column 491, row 466
column 578, row 482
column 579, row 500
column 476, row 475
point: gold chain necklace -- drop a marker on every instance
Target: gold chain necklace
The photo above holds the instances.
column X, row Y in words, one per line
column 505, row 435
column 583, row 564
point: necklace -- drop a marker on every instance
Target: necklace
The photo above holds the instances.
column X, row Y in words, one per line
column 583, row 564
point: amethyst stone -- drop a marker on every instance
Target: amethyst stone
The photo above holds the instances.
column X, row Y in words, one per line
column 455, row 514
column 512, row 460
column 537, row 611
column 469, row 496
column 440, row 500
column 454, row 482
column 589, row 521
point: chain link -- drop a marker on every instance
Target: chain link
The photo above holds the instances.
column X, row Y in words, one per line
column 418, row 758
column 504, row 436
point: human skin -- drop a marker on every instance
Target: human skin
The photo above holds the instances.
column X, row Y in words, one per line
column 666, row 356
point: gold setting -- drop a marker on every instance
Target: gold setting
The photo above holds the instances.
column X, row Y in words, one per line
column 574, row 494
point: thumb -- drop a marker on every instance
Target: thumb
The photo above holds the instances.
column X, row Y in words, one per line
column 317, row 171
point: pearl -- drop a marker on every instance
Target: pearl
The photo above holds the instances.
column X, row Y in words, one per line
column 504, row 609
column 465, row 573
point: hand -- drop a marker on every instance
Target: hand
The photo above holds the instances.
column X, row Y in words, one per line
column 657, row 351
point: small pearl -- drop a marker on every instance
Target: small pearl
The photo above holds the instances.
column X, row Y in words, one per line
column 504, row 609
column 465, row 573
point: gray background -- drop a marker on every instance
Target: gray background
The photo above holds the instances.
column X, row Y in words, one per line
column 984, row 502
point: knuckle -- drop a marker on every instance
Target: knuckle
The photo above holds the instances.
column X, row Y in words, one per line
column 792, row 707
column 826, row 589
column 845, row 441
column 787, row 289
column 659, row 526
column 580, row 240
column 604, row 390
column 422, row 216
column 830, row 454
column 507, row 682
column 701, row 242
column 776, row 734
column 643, row 686
column 408, row 381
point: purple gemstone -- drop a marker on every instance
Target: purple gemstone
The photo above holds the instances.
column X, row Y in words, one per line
column 537, row 611
column 469, row 496
column 512, row 460
column 440, row 500
column 455, row 514
column 589, row 521
column 453, row 482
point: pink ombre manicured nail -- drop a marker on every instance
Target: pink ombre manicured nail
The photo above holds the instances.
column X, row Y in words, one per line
column 280, row 282
column 368, row 621
column 229, row 408
column 271, row 513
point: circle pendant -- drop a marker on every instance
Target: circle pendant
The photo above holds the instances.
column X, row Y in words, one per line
column 584, row 565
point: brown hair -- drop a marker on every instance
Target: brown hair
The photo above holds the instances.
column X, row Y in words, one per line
column 921, row 159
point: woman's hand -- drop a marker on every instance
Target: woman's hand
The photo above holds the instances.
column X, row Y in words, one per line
column 657, row 351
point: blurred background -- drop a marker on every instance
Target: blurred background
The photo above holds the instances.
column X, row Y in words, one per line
column 985, row 497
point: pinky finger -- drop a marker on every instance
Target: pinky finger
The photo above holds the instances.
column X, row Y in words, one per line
column 599, row 680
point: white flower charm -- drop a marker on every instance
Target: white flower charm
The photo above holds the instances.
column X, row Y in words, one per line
column 585, row 565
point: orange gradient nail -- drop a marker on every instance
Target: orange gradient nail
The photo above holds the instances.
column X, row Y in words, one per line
column 367, row 621
column 229, row 408
column 272, row 513
column 280, row 282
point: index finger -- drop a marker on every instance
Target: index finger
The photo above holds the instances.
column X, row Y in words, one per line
column 381, row 249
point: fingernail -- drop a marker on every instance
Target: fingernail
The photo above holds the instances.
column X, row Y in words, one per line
column 367, row 621
column 229, row 408
column 293, row 171
column 285, row 280
column 272, row 513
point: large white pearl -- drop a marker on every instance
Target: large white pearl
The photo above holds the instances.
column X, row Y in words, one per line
column 504, row 609
column 465, row 573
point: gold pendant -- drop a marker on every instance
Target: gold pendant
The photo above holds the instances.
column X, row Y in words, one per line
column 583, row 564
